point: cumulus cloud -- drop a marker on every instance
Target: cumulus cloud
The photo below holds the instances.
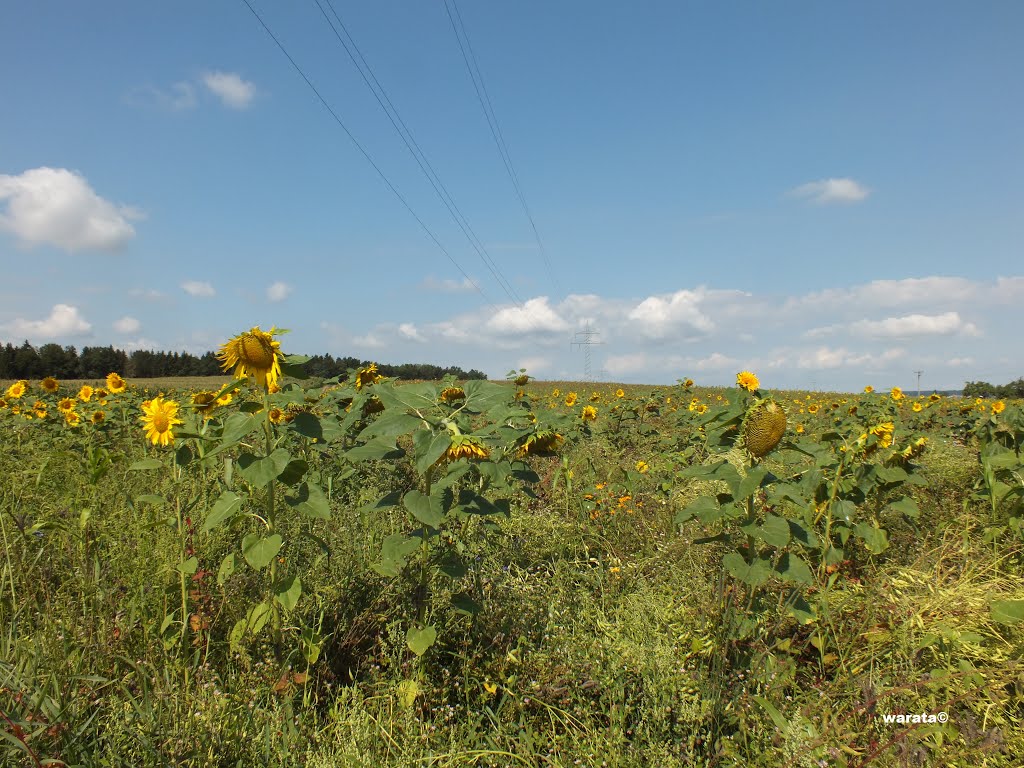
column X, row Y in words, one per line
column 278, row 291
column 465, row 285
column 198, row 289
column 55, row 206
column 127, row 325
column 409, row 331
column 826, row 191
column 906, row 326
column 63, row 320
column 534, row 316
column 230, row 88
column 658, row 317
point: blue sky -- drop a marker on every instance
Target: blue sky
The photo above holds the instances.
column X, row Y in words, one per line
column 829, row 194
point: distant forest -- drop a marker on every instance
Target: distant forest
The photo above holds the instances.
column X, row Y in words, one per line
column 1015, row 389
column 27, row 362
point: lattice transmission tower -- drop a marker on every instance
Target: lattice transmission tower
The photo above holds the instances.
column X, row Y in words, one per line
column 585, row 340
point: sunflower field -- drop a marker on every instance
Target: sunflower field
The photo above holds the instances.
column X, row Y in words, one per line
column 291, row 571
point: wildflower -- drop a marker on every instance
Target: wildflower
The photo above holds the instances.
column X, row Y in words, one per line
column 642, row 467
column 85, row 393
column 589, row 413
column 253, row 353
column 49, row 384
column 115, row 383
column 747, row 380
column 17, row 389
column 159, row 419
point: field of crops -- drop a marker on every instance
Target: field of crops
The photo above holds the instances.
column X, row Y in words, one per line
column 353, row 572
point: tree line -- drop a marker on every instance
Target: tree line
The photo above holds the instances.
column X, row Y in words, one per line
column 1015, row 389
column 27, row 362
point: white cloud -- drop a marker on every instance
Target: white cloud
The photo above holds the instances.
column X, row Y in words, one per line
column 231, row 89
column 659, row 317
column 64, row 320
column 448, row 285
column 127, row 325
column 56, row 206
column 278, row 291
column 198, row 288
column 827, row 191
column 946, row 324
column 533, row 365
column 534, row 316
column 369, row 340
column 179, row 98
column 409, row 331
column 142, row 343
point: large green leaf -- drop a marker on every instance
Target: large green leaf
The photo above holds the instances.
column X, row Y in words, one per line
column 754, row 573
column 307, row 425
column 237, row 426
column 905, row 506
column 874, row 537
column 378, row 448
column 419, row 639
column 394, row 553
column 706, row 508
column 293, row 472
column 1007, row 611
column 774, row 531
column 793, row 568
column 427, row 509
column 432, row 451
column 288, row 591
column 222, row 510
column 390, row 424
column 309, row 500
column 259, row 471
column 145, row 464
column 260, row 550
column 750, row 483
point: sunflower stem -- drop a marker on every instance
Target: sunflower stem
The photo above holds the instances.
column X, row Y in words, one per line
column 268, row 446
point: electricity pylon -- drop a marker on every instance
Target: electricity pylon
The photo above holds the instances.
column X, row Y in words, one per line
column 585, row 340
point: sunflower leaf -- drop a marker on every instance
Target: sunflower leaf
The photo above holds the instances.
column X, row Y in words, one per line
column 260, row 471
column 259, row 551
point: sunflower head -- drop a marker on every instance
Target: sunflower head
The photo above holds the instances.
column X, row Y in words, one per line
column 367, row 376
column 589, row 413
column 115, row 383
column 253, row 353
column 98, row 417
column 17, row 389
column 204, row 403
column 72, row 418
column 541, row 443
column 65, row 405
column 896, row 394
column 570, row 399
column 521, row 381
column 452, row 394
column 49, row 384
column 85, row 393
column 747, row 380
column 159, row 418
column 465, row 446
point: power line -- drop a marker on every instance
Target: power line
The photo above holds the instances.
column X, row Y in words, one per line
column 492, row 122
column 366, row 154
column 380, row 94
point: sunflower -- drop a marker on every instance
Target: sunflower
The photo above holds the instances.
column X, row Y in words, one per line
column 619, row 393
column 570, row 399
column 812, row 409
column 521, row 381
column 465, row 446
column 49, row 384
column 367, row 376
column 917, row 407
column 589, row 413
column 868, row 389
column 451, row 394
column 72, row 418
column 17, row 389
column 204, row 403
column 276, row 416
column 39, row 409
column 998, row 406
column 159, row 419
column 115, row 383
column 98, row 417
column 65, row 405
column 226, row 398
column 747, row 380
column 934, row 397
column 253, row 353
column 595, row 397
column 884, row 433
column 642, row 467
column 85, row 393
column 545, row 442
column 896, row 394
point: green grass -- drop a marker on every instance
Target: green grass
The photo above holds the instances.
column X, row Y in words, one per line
column 602, row 642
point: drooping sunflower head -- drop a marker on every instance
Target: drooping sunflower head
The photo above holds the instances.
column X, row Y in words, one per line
column 115, row 383
column 85, row 393
column 763, row 427
column 204, row 403
column 49, row 384
column 367, row 376
column 521, row 381
column 452, row 394
column 254, row 353
column 465, row 446
column 542, row 443
column 159, row 418
column 747, row 380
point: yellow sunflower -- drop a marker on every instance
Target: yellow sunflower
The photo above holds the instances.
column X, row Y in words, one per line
column 277, row 416
column 998, row 406
column 812, row 409
column 115, row 383
column 543, row 442
column 367, row 376
column 589, row 413
column 642, row 467
column 747, row 380
column 65, row 405
column 204, row 403
column 570, row 399
column 159, row 419
column 917, row 407
column 17, row 389
column 98, row 417
column 868, row 389
column 451, row 394
column 896, row 394
column 226, row 398
column 72, row 418
column 934, row 397
column 465, row 446
column 39, row 409
column 49, row 384
column 253, row 353
column 619, row 393
column 85, row 393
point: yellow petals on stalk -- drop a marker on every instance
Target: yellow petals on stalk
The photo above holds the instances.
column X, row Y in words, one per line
column 868, row 389
column 72, row 418
column 998, row 406
column 98, row 417
column 65, row 405
column 570, row 399
column 115, row 383
column 204, row 403
column 540, row 443
column 465, row 447
column 17, row 389
column 253, row 353
column 619, row 393
column 49, row 384
column 367, row 376
column 590, row 412
column 642, row 467
column 85, row 393
column 747, row 380
column 896, row 394
column 451, row 394
column 160, row 417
